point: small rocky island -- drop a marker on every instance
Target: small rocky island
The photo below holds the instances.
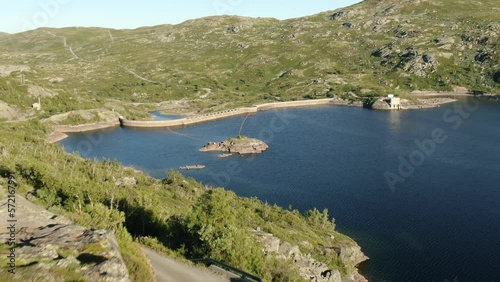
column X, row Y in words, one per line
column 192, row 167
column 241, row 145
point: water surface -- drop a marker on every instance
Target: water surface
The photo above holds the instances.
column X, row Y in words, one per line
column 442, row 222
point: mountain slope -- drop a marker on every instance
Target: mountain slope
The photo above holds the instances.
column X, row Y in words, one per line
column 372, row 48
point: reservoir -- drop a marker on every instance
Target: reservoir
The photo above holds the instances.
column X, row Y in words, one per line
column 418, row 190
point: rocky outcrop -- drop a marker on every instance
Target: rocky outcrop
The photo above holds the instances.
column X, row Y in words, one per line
column 308, row 267
column 381, row 104
column 51, row 246
column 7, row 112
column 6, row 70
column 233, row 29
column 94, row 253
column 351, row 254
column 240, row 145
column 126, row 181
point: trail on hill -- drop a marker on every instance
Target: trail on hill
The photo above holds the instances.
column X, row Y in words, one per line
column 70, row 49
column 169, row 270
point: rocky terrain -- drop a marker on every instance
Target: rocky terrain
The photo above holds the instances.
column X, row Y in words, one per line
column 52, row 248
column 309, row 268
column 240, row 145
column 7, row 112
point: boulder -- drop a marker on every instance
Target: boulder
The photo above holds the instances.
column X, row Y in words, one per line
column 233, row 29
column 126, row 181
column 288, row 251
column 384, row 52
column 348, row 25
column 380, row 105
column 351, row 254
column 427, row 58
column 338, row 16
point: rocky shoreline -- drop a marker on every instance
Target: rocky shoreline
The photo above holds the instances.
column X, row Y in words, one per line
column 413, row 104
column 309, row 268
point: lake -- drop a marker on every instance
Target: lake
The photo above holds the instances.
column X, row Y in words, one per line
column 418, row 190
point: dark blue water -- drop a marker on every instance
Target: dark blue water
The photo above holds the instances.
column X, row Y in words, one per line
column 441, row 223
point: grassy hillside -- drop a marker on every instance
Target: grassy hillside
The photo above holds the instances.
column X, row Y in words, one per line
column 372, row 48
column 181, row 215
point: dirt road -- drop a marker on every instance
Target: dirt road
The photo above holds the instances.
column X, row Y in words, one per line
column 169, row 270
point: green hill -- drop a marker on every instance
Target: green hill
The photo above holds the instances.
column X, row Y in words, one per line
column 372, row 48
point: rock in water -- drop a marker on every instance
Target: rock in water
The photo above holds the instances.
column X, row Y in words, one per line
column 240, row 145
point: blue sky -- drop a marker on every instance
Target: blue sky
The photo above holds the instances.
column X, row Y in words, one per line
column 18, row 16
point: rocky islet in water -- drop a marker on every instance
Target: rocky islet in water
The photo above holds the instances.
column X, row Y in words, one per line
column 241, row 145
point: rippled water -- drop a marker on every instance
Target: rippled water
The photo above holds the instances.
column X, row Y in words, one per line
column 441, row 223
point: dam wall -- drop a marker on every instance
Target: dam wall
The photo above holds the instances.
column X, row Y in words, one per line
column 222, row 114
column 60, row 130
column 187, row 120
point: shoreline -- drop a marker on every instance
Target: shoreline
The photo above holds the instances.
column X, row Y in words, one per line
column 60, row 131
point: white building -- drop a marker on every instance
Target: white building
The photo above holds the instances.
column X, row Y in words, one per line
column 394, row 102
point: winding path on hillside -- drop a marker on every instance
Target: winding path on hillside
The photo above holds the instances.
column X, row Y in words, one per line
column 70, row 49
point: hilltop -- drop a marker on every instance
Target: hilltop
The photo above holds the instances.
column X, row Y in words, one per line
column 369, row 49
